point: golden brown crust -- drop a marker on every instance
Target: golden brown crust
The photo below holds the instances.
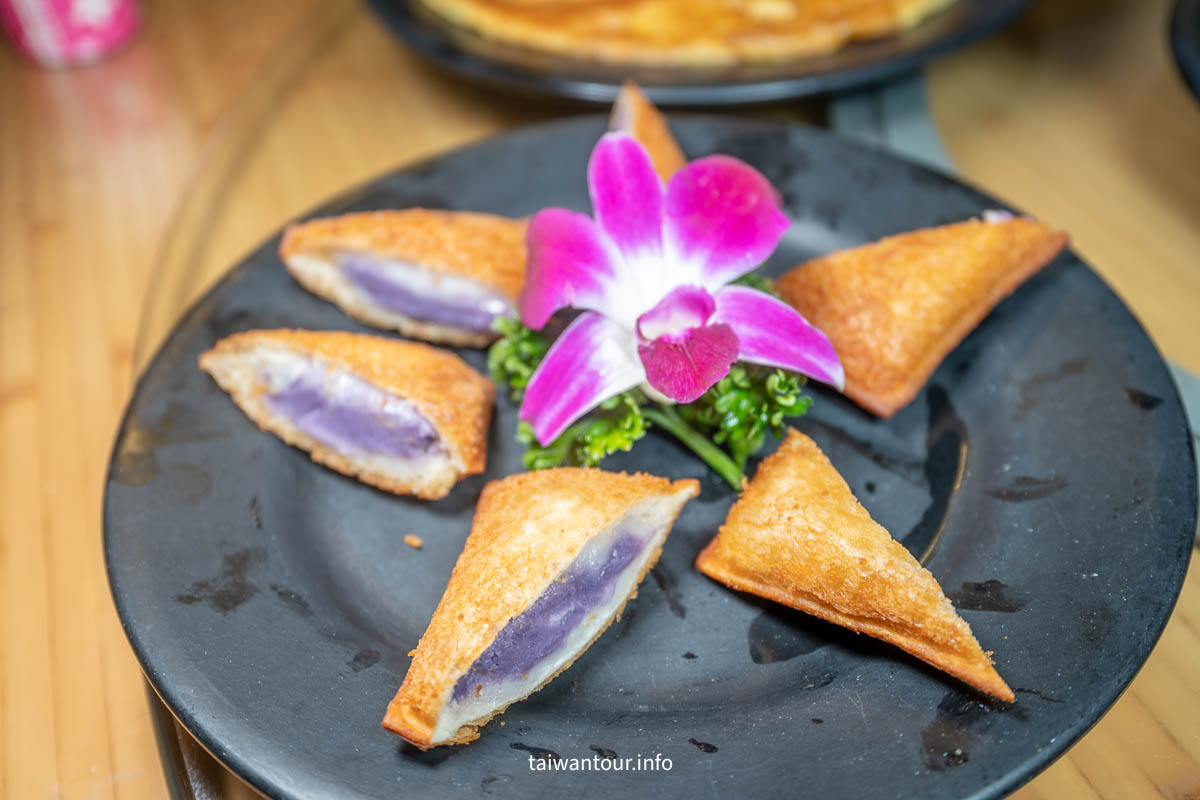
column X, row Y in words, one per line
column 696, row 33
column 895, row 308
column 527, row 529
column 453, row 397
column 483, row 247
column 408, row 725
column 799, row 537
column 634, row 114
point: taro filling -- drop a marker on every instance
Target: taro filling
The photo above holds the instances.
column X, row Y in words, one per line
column 473, row 309
column 540, row 630
column 350, row 415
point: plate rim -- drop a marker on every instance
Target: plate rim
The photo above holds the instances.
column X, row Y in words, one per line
column 1184, row 32
column 244, row 770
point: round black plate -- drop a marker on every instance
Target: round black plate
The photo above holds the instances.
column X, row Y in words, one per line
column 859, row 64
column 272, row 603
column 1185, row 42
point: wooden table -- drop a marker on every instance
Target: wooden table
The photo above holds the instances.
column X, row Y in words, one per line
column 148, row 175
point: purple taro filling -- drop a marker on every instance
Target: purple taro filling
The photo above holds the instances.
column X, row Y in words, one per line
column 541, row 629
column 358, row 422
column 473, row 313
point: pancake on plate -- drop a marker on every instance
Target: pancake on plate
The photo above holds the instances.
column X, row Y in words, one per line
column 688, row 33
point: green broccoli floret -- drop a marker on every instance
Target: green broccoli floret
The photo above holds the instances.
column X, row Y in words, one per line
column 613, row 426
column 515, row 355
column 756, row 280
column 725, row 426
column 740, row 408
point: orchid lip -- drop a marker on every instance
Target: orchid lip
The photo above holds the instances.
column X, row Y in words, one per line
column 682, row 308
column 684, row 364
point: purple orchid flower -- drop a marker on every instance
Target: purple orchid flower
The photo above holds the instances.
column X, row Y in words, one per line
column 650, row 272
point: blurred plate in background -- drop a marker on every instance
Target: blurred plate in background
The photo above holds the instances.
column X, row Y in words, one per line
column 473, row 56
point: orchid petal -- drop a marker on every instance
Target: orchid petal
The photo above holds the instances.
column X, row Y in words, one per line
column 683, row 365
column 591, row 361
column 627, row 196
column 571, row 263
column 722, row 219
column 771, row 332
column 684, row 307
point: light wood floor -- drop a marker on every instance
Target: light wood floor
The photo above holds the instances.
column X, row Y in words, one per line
column 1074, row 114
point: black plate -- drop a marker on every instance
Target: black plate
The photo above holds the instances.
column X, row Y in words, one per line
column 859, row 64
column 1185, row 42
column 272, row 603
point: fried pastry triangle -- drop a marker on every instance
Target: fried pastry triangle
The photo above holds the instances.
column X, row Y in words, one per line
column 551, row 560
column 401, row 416
column 633, row 113
column 443, row 276
column 895, row 308
column 799, row 537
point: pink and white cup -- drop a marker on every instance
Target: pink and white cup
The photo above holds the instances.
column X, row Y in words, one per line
column 57, row 33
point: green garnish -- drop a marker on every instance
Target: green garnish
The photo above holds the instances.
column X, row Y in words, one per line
column 761, row 282
column 515, row 355
column 742, row 407
column 725, row 426
column 614, row 426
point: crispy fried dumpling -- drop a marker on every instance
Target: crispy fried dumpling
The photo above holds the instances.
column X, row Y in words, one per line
column 402, row 416
column 551, row 560
column 633, row 113
column 442, row 276
column 895, row 308
column 798, row 536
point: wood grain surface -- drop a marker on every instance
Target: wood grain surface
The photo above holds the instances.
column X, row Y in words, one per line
column 146, row 176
